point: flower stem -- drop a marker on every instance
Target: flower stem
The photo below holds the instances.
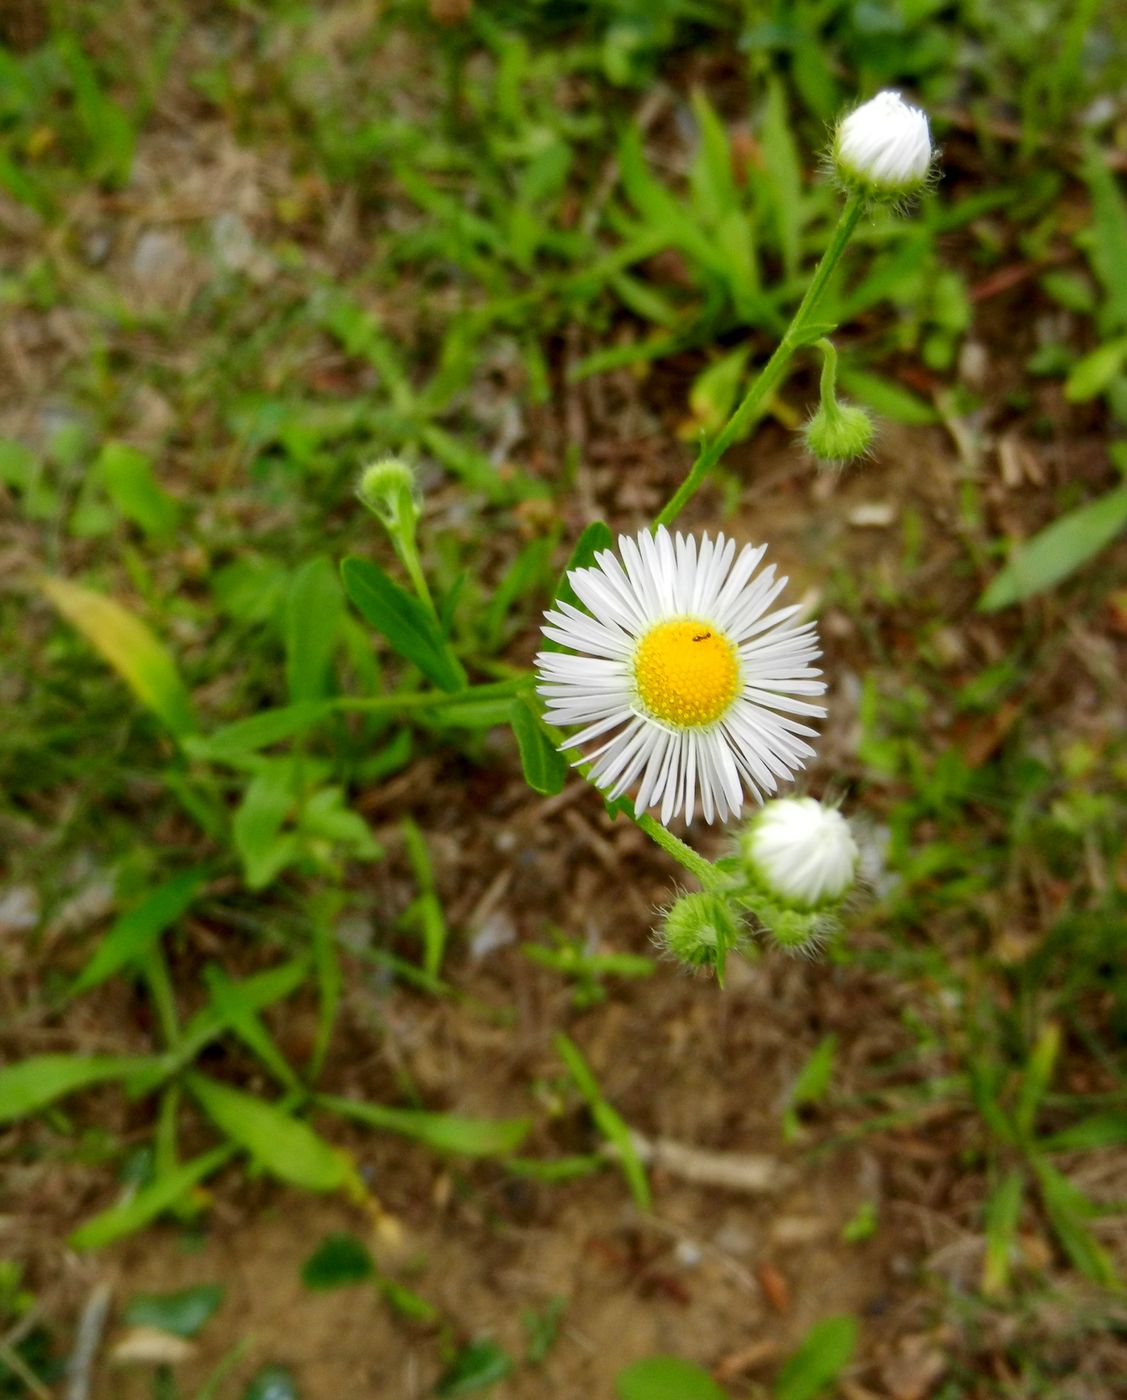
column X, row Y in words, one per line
column 695, row 864
column 772, row 372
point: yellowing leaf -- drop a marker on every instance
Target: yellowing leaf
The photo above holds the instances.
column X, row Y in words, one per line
column 142, row 662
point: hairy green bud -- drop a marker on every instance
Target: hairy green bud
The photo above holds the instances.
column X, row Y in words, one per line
column 699, row 929
column 387, row 488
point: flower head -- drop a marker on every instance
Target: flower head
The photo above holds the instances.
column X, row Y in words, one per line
column 692, row 684
column 883, row 148
column 801, row 854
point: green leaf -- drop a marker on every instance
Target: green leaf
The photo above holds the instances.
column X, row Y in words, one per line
column 1057, row 551
column 233, row 1007
column 272, row 1383
column 1091, row 374
column 151, row 1201
column 105, row 124
column 261, row 731
column 607, row 1119
column 32, row 1084
column 823, row 1355
column 811, row 1083
column 783, row 169
column 666, row 1378
column 713, row 393
column 138, row 929
column 284, row 1145
column 545, row 768
column 443, row 1132
column 1002, row 1213
column 1067, row 1209
column 182, row 1313
column 476, row 1366
column 314, row 609
column 1101, row 1130
column 426, row 910
column 128, row 477
column 338, row 1260
column 1037, row 1078
column 408, row 627
column 257, row 826
column 595, row 538
column 130, row 648
column 1107, row 237
column 888, row 399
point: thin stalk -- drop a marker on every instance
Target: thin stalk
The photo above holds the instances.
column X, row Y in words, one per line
column 695, row 864
column 409, row 557
column 772, row 372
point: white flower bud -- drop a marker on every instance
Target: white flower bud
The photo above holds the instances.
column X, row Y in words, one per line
column 800, row 853
column 883, row 148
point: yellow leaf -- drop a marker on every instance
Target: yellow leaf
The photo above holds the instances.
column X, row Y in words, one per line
column 123, row 640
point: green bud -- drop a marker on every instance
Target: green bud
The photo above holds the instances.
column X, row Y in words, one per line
column 838, row 432
column 795, row 930
column 387, row 488
column 698, row 930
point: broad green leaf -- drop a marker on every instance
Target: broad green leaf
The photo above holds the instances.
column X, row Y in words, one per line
column 130, row 648
column 1091, row 374
column 261, row 731
column 1002, row 1213
column 545, row 768
column 476, row 1367
column 443, row 1132
column 1057, row 551
column 338, row 1260
column 30, row 1085
column 151, row 1201
column 666, row 1378
column 314, row 610
column 138, row 928
column 283, row 1144
column 408, row 626
column 823, row 1355
column 128, row 477
column 182, row 1313
column 888, row 399
column 257, row 826
column 1068, row 1209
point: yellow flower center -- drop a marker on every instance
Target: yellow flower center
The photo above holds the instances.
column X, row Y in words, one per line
column 686, row 672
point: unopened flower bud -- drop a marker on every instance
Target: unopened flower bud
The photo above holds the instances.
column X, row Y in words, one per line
column 883, row 149
column 800, row 854
column 838, row 432
column 797, row 930
column 698, row 929
column 387, row 488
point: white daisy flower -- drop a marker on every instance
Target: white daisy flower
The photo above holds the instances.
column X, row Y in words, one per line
column 692, row 684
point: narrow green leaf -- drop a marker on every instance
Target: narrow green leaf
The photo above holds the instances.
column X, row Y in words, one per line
column 666, row 1378
column 407, row 626
column 545, row 768
column 138, row 928
column 1101, row 1130
column 1057, row 551
column 1002, row 1213
column 231, row 1005
column 426, row 910
column 1107, row 237
column 823, row 1355
column 783, row 169
column 130, row 648
column 1068, row 1208
column 182, row 1313
column 607, row 1119
column 32, row 1084
column 284, row 1145
column 261, row 731
column 151, row 1201
column 338, row 1260
column 129, row 481
column 314, row 610
column 1037, row 1078
column 443, row 1132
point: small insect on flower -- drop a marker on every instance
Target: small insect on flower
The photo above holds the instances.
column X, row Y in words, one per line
column 695, row 688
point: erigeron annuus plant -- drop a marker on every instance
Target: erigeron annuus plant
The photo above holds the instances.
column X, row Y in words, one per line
column 674, row 674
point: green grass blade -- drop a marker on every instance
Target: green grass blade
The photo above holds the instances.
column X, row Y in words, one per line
column 32, row 1084
column 138, row 928
column 150, row 1202
column 443, row 1132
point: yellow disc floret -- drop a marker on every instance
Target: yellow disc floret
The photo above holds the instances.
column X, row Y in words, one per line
column 686, row 672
